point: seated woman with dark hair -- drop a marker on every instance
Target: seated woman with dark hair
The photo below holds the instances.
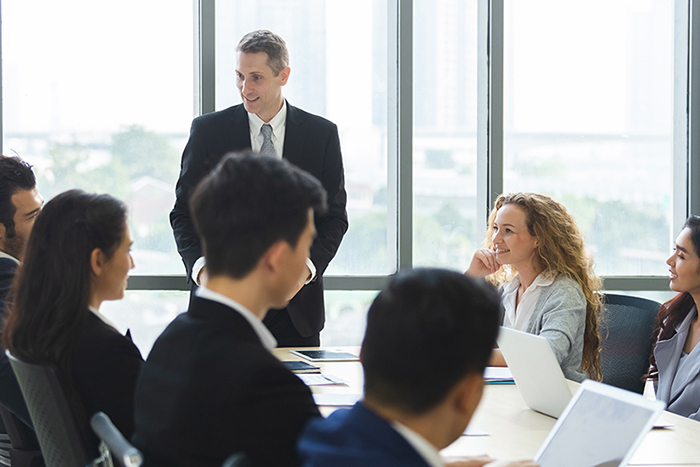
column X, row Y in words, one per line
column 78, row 255
column 675, row 363
column 536, row 254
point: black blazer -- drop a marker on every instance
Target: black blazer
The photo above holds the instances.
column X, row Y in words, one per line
column 312, row 144
column 104, row 368
column 209, row 389
column 10, row 394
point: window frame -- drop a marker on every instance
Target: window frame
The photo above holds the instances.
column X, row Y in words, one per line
column 686, row 130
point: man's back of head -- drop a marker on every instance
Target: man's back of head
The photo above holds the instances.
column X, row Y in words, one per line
column 247, row 203
column 19, row 204
column 430, row 333
column 426, row 330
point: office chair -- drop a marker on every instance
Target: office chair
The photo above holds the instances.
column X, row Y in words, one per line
column 627, row 340
column 123, row 453
column 24, row 449
column 63, row 442
column 238, row 459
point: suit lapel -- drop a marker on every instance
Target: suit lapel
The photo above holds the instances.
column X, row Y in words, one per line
column 294, row 137
column 240, row 127
column 668, row 354
column 682, row 336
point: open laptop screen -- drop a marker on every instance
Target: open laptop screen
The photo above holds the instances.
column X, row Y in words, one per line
column 601, row 426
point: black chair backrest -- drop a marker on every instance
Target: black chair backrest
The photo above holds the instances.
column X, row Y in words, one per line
column 123, row 453
column 63, row 443
column 627, row 340
column 25, row 447
column 239, row 459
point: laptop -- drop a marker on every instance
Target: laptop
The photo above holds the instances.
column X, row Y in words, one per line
column 535, row 370
column 601, row 427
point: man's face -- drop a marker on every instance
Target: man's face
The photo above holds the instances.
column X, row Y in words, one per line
column 28, row 204
column 260, row 89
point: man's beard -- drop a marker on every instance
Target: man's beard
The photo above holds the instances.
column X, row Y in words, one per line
column 15, row 245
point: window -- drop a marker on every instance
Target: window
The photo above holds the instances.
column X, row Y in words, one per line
column 99, row 96
column 588, row 119
column 441, row 105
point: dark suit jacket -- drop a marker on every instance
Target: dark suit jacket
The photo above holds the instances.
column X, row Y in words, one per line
column 356, row 438
column 312, row 144
column 209, row 389
column 10, row 394
column 685, row 400
column 104, row 369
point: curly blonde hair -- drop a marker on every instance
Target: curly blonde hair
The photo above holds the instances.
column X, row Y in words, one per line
column 561, row 250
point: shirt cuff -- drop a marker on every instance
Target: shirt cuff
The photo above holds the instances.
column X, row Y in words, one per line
column 312, row 268
column 197, row 268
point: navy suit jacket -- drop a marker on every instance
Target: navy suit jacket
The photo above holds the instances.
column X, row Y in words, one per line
column 10, row 394
column 209, row 389
column 356, row 438
column 312, row 144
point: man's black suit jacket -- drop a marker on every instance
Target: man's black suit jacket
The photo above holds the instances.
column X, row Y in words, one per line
column 210, row 389
column 312, row 144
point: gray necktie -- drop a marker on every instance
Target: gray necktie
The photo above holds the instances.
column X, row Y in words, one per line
column 268, row 148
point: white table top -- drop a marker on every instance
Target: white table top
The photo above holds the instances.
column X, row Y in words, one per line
column 505, row 428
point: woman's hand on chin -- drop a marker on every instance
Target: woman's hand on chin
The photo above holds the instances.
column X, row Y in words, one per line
column 483, row 263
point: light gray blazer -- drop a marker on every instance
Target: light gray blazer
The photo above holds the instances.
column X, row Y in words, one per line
column 560, row 317
column 686, row 400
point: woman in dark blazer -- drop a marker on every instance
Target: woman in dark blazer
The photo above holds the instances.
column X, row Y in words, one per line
column 78, row 256
column 675, row 363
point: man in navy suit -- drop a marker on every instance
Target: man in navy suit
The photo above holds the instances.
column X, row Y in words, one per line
column 429, row 336
column 211, row 386
column 20, row 203
column 266, row 123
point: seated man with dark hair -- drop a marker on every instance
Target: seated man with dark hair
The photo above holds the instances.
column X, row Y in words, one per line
column 211, row 386
column 20, row 204
column 429, row 337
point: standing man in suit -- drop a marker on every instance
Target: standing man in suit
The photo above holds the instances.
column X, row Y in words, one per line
column 20, row 203
column 267, row 123
column 429, row 337
column 211, row 386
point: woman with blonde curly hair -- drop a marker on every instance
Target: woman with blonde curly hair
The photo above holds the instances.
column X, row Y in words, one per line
column 535, row 252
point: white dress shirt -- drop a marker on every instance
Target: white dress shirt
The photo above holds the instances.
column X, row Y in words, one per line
column 278, row 124
column 422, row 446
column 518, row 318
column 265, row 336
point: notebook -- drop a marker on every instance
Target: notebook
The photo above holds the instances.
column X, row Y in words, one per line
column 601, row 426
column 535, row 370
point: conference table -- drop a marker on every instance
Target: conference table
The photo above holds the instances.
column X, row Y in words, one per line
column 503, row 427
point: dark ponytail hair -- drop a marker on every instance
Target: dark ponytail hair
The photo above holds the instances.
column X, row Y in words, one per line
column 673, row 312
column 52, row 290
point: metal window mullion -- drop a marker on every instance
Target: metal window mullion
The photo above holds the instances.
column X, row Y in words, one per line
column 691, row 165
column 205, row 57
column 404, row 127
column 489, row 108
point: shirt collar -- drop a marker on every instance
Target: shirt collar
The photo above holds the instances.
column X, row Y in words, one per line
column 542, row 280
column 5, row 255
column 265, row 336
column 422, row 446
column 277, row 122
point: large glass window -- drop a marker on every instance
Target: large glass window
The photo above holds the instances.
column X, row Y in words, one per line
column 588, row 120
column 444, row 132
column 338, row 58
column 99, row 96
